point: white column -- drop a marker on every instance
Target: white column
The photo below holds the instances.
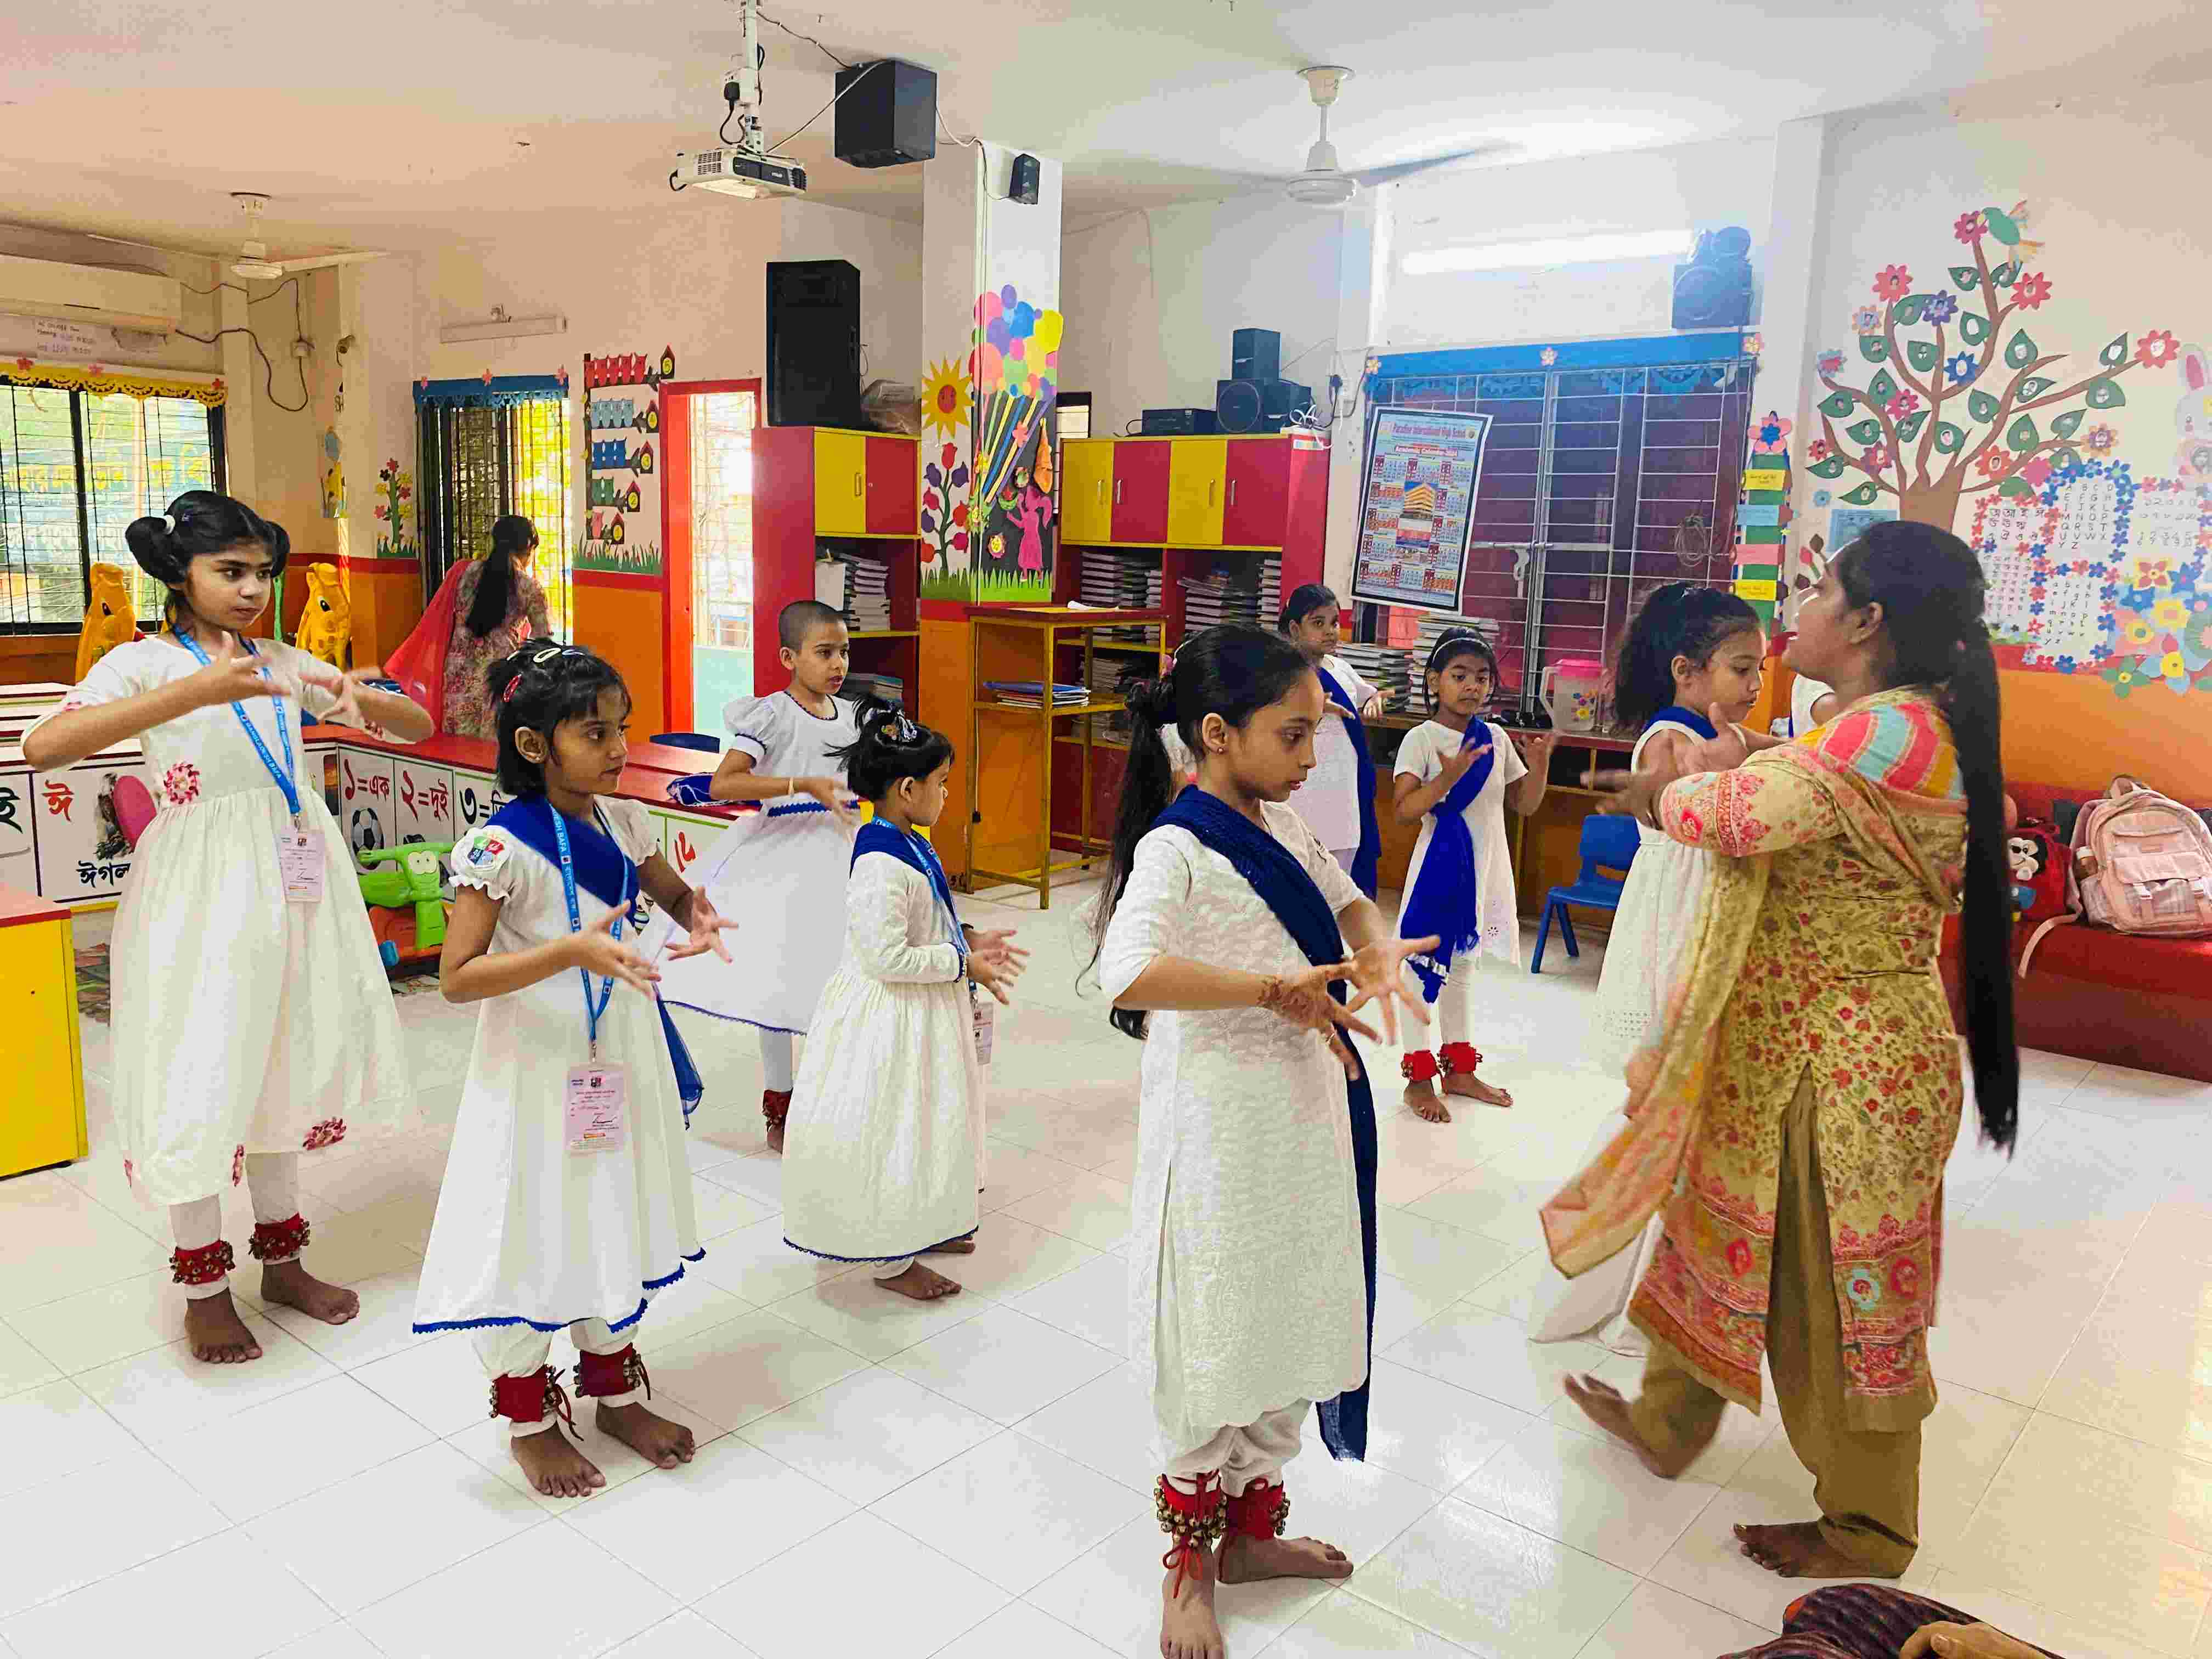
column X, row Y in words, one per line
column 241, row 373
column 1797, row 239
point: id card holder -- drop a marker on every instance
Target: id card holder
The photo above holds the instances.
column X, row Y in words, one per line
column 299, row 865
column 982, row 1019
column 597, row 1107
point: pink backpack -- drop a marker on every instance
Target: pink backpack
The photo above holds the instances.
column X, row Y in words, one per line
column 2141, row 863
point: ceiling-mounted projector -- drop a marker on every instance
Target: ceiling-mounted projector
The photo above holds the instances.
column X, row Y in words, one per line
column 738, row 172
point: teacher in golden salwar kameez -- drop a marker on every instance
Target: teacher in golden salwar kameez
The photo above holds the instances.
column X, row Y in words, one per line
column 1795, row 1118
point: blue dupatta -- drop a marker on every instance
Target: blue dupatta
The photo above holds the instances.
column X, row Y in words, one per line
column 919, row 856
column 1371, row 833
column 1443, row 902
column 604, row 870
column 1285, row 888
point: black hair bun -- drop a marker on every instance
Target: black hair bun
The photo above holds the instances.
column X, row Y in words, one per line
column 153, row 544
column 1153, row 702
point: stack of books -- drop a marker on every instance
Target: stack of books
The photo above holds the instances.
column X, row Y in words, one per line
column 867, row 595
column 888, row 688
column 1389, row 672
column 1121, row 581
column 1211, row 600
column 1030, row 693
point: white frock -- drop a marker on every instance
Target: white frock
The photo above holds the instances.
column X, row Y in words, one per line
column 883, row 1154
column 1423, row 753
column 1247, row 1288
column 780, row 872
column 528, row 1232
column 1328, row 800
column 1657, row 915
column 242, row 1023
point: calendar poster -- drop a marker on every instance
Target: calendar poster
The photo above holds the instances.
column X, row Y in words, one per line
column 1417, row 505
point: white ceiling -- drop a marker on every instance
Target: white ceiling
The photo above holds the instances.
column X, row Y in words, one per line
column 415, row 121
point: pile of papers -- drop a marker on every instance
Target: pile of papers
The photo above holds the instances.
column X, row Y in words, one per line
column 1121, row 581
column 1030, row 693
column 867, row 595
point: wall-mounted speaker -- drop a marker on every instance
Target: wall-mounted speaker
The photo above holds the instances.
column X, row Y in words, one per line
column 886, row 113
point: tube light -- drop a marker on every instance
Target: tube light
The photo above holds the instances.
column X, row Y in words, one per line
column 1599, row 249
column 501, row 326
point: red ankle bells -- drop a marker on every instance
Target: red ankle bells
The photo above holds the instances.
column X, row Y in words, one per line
column 526, row 1398
column 1461, row 1059
column 601, row 1374
column 1194, row 1520
column 279, row 1240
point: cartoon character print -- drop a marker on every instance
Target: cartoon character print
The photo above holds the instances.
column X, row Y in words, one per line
column 2192, row 417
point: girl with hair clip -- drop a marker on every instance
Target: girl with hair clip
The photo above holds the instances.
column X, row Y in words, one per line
column 884, row 1151
column 252, row 1020
column 1228, row 940
column 1338, row 801
column 1455, row 772
column 1795, row 1120
column 1689, row 664
column 567, row 1201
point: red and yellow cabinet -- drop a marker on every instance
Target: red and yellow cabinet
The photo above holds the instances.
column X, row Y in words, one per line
column 42, row 1101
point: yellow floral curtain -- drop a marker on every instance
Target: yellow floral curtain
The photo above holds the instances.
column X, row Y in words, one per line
column 98, row 377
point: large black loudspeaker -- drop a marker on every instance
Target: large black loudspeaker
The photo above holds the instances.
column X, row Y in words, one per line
column 1714, row 289
column 886, row 114
column 1258, row 406
column 813, row 342
column 1255, row 354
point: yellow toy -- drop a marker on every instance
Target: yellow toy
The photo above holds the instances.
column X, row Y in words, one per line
column 109, row 620
column 327, row 619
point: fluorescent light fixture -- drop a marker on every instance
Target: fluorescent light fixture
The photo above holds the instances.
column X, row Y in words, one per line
column 501, row 326
column 1602, row 248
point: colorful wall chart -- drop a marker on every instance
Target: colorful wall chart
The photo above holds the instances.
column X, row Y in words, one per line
column 622, row 475
column 1417, row 505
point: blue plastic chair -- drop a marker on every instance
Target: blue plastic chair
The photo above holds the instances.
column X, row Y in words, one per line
column 1609, row 842
column 711, row 745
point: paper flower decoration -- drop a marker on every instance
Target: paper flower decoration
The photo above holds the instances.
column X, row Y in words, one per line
column 2030, row 291
column 1772, row 435
column 1962, row 367
column 1966, row 227
column 1893, row 284
column 2157, row 349
column 1940, row 309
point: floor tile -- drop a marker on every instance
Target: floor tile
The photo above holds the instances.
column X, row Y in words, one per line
column 1012, row 1173
column 750, row 1366
column 1434, row 1253
column 1018, row 1631
column 1343, row 1626
column 1091, row 1302
column 1659, row 1623
column 21, row 1365
column 88, row 1525
column 1431, row 1431
column 331, row 1642
column 2147, row 1588
column 1003, row 1364
column 1091, row 1210
column 1490, row 1354
column 855, row 1312
column 1013, row 1257
column 1591, row 1494
column 53, row 1429
column 803, row 1605
column 755, row 1264
column 139, row 1611
column 1112, row 1594
column 92, row 1327
column 166, row 1392
column 1010, row 1509
column 487, row 1444
column 439, row 1382
column 384, row 1325
column 1107, row 1425
column 682, row 1635
column 299, row 1443
column 868, row 1435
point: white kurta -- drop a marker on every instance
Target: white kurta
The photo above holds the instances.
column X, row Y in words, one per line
column 778, row 871
column 528, row 1232
column 882, row 1157
column 1328, row 800
column 1247, row 1290
column 1423, row 753
column 1658, row 916
column 242, row 1023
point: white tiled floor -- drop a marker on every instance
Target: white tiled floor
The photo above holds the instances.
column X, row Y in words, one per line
column 971, row 1479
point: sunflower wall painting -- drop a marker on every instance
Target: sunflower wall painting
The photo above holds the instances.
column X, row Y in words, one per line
column 1966, row 410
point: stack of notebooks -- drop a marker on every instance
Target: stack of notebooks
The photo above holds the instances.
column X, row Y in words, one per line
column 1030, row 694
column 888, row 688
column 867, row 595
column 1395, row 668
column 1242, row 592
column 1121, row 581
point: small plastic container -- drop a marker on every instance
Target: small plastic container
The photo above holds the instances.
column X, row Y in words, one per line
column 1571, row 691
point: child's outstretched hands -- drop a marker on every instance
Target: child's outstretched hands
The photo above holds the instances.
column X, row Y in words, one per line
column 597, row 951
column 998, row 944
column 831, row 793
column 704, row 928
column 1304, row 1000
column 1456, row 763
column 994, row 974
column 1377, row 972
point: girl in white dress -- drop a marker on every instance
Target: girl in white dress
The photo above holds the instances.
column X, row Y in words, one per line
column 252, row 1019
column 884, row 1151
column 1224, row 930
column 566, row 1201
column 1338, row 801
column 785, row 864
column 1455, row 772
column 1692, row 657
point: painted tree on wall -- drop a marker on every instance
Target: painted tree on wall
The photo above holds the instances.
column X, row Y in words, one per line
column 1942, row 416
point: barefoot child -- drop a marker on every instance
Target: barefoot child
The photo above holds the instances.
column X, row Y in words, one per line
column 1455, row 772
column 566, row 1201
column 1692, row 653
column 1222, row 936
column 885, row 1153
column 253, row 1021
column 785, row 866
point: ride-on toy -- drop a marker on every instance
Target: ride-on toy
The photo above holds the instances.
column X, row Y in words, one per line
column 405, row 911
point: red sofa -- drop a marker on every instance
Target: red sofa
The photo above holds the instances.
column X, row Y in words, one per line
column 2119, row 999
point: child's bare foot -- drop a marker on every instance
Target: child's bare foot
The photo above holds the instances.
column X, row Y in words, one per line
column 1427, row 1104
column 963, row 1246
column 776, row 1137
column 292, row 1285
column 1799, row 1549
column 1245, row 1560
column 218, row 1334
column 1467, row 1086
column 922, row 1284
column 1606, row 1405
column 555, row 1466
column 776, row 1105
column 1188, row 1629
column 648, row 1434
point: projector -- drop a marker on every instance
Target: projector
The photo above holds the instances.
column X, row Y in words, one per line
column 738, row 172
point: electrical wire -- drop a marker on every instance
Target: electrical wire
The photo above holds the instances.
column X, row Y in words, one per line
column 865, row 73
column 796, row 35
column 268, row 368
column 954, row 136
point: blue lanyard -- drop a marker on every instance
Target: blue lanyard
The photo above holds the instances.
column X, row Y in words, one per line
column 287, row 778
column 591, row 1011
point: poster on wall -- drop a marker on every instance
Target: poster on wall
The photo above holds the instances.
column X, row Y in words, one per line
column 1417, row 505
column 622, row 473
column 1847, row 524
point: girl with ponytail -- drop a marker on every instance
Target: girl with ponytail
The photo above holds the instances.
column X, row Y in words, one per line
column 1238, row 948
column 1795, row 1118
column 497, row 604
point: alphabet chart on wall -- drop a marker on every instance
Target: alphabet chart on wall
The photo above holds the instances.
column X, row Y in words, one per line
column 2084, row 536
column 2008, row 532
column 2169, row 528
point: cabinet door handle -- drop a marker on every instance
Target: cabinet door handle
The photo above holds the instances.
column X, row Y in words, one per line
column 1209, row 488
column 1117, row 492
column 857, row 485
column 1232, row 492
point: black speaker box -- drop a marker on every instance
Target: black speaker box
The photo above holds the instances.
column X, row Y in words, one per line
column 886, row 113
column 1255, row 354
column 1258, row 406
column 813, row 342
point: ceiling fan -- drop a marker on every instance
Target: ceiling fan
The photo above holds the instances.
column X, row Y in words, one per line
column 253, row 262
column 1325, row 183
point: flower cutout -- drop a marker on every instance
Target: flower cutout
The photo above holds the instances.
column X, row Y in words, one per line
column 2037, row 472
column 2168, row 613
column 1548, row 356
column 2171, row 667
column 2157, row 349
column 1967, row 226
column 1995, row 461
column 1773, row 436
column 1818, row 450
column 2030, row 291
column 1828, row 363
column 1865, row 320
column 2099, row 441
column 1962, row 367
column 2136, row 632
column 1893, row 284
column 1902, row 404
column 1877, row 458
column 1821, row 498
column 1940, row 309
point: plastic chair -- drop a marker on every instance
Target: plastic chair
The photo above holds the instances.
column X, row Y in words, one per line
column 711, row 745
column 1609, row 842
